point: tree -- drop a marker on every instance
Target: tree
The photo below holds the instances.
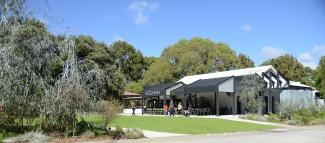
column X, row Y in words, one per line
column 244, row 61
column 250, row 87
column 320, row 76
column 189, row 57
column 290, row 68
column 136, row 87
column 128, row 60
column 159, row 72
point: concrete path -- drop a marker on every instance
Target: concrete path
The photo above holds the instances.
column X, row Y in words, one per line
column 154, row 134
column 315, row 134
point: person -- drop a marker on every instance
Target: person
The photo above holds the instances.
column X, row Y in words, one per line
column 165, row 109
column 133, row 109
column 171, row 108
column 179, row 108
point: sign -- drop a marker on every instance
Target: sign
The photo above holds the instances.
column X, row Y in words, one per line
column 151, row 92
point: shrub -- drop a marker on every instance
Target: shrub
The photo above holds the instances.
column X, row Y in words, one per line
column 303, row 116
column 117, row 133
column 108, row 110
column 83, row 127
column 256, row 117
column 134, row 134
column 273, row 118
column 88, row 134
column 34, row 137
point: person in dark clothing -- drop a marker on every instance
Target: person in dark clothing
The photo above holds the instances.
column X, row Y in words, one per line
column 171, row 108
column 133, row 109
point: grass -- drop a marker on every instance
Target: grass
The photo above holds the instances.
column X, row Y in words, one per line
column 181, row 124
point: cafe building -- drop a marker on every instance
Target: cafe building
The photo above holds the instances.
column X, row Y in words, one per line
column 215, row 93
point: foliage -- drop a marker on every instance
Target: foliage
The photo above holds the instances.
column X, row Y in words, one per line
column 117, row 133
column 320, row 76
column 273, row 118
column 250, row 87
column 29, row 137
column 160, row 72
column 133, row 134
column 188, row 57
column 291, row 68
column 244, row 61
column 128, row 60
column 303, row 116
column 41, row 77
column 108, row 110
column 256, row 117
column 136, row 87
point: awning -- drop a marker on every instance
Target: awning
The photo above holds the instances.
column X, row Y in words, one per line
column 224, row 84
column 156, row 90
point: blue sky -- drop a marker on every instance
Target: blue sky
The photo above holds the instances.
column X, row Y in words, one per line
column 260, row 29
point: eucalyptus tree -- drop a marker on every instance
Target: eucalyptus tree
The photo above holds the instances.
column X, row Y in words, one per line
column 250, row 87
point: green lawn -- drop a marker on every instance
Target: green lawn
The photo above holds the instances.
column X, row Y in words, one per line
column 181, row 124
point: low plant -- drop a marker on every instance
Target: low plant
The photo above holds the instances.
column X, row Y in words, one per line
column 134, row 134
column 303, row 116
column 256, row 117
column 88, row 134
column 34, row 137
column 273, row 118
column 108, row 110
column 117, row 133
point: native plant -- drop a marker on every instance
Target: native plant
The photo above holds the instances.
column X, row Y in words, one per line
column 108, row 110
column 250, row 87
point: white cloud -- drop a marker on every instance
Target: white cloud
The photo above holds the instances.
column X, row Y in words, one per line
column 319, row 50
column 272, row 52
column 247, row 28
column 306, row 57
column 117, row 37
column 310, row 59
column 141, row 11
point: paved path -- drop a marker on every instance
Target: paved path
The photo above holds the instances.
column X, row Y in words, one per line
column 154, row 134
column 284, row 135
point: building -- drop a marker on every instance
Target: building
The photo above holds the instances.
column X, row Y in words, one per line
column 217, row 93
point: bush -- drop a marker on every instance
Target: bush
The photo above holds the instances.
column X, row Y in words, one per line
column 273, row 118
column 303, row 116
column 118, row 133
column 256, row 117
column 88, row 134
column 83, row 127
column 33, row 137
column 134, row 134
column 108, row 110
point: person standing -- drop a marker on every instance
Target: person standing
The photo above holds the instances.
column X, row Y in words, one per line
column 179, row 108
column 133, row 109
column 171, row 108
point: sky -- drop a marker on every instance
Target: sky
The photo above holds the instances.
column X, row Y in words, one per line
column 261, row 29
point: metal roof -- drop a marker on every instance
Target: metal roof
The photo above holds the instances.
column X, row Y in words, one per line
column 240, row 72
column 204, row 85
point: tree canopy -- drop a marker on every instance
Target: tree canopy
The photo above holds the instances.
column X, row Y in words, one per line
column 290, row 68
column 320, row 76
column 189, row 57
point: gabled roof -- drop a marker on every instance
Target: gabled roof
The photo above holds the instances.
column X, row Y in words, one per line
column 240, row 72
column 204, row 85
column 300, row 85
